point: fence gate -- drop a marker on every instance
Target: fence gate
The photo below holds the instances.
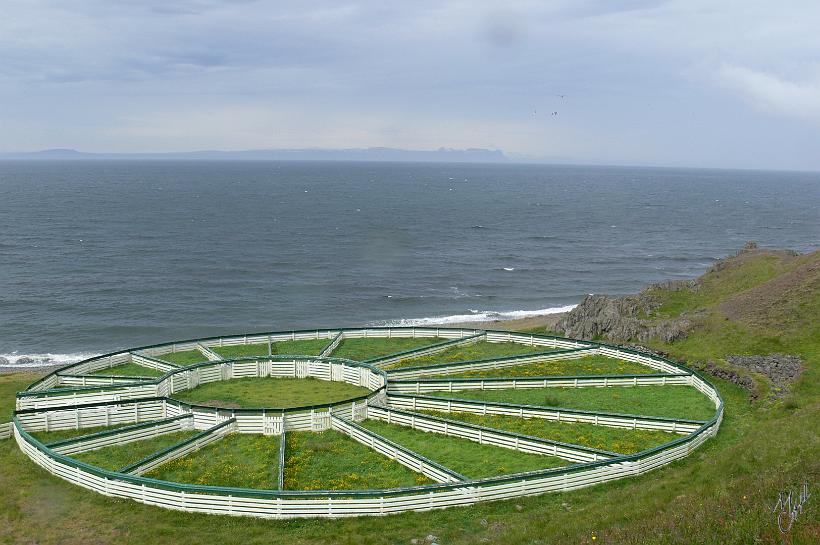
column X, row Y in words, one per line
column 337, row 372
column 302, row 369
column 319, row 421
column 272, row 425
column 359, row 411
column 193, row 378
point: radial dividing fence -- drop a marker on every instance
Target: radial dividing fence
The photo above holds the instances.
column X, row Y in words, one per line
column 520, row 383
column 145, row 407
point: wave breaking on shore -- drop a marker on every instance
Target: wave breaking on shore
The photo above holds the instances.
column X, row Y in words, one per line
column 29, row 361
column 475, row 316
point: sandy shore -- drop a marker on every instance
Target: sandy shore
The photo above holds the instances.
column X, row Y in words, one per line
column 546, row 322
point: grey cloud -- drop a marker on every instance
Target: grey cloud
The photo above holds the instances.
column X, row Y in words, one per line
column 503, row 28
column 645, row 81
column 775, row 94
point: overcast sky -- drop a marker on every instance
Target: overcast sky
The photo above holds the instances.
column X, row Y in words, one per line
column 729, row 83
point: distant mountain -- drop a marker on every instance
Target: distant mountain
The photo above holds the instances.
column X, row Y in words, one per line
column 441, row 155
column 57, row 154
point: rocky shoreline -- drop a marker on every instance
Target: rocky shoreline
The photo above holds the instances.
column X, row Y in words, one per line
column 632, row 320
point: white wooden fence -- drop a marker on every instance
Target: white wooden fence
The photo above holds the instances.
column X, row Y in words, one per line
column 280, row 478
column 43, row 409
column 493, row 364
column 259, row 421
column 327, row 351
column 82, row 381
column 612, row 420
column 285, row 504
column 331, row 369
column 147, row 355
column 75, row 417
column 588, row 381
column 489, row 364
column 122, row 436
column 153, row 363
column 208, row 353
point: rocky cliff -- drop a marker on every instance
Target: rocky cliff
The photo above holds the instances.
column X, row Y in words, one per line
column 630, row 318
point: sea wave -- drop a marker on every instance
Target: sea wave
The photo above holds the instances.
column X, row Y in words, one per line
column 42, row 360
column 474, row 316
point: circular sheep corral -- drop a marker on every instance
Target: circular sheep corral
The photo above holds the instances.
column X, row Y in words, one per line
column 424, row 418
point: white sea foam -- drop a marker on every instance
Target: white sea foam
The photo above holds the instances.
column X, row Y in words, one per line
column 475, row 316
column 42, row 360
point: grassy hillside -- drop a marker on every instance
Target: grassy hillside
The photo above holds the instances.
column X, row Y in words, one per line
column 758, row 303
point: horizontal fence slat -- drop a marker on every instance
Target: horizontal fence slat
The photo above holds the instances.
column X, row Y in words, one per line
column 5, row 430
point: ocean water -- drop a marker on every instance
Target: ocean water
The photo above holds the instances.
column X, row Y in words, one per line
column 96, row 256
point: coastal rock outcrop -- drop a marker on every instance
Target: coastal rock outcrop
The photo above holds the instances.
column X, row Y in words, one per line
column 781, row 369
column 774, row 301
column 621, row 319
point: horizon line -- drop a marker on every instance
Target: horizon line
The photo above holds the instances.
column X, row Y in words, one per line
column 492, row 156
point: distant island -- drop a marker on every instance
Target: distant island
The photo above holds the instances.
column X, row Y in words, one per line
column 441, row 155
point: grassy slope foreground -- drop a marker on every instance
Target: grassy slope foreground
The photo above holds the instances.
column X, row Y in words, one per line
column 762, row 302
